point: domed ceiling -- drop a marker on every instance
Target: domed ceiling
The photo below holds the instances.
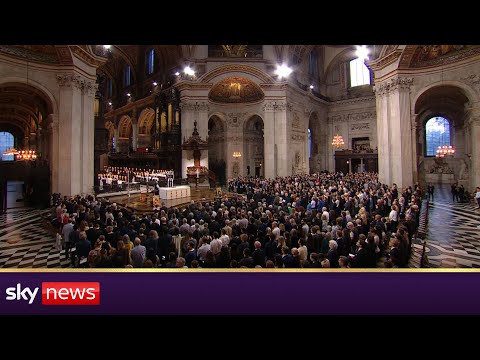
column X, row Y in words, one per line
column 235, row 90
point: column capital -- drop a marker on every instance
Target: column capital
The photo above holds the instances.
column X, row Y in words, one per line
column 88, row 87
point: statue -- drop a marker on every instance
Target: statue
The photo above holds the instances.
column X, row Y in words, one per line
column 464, row 173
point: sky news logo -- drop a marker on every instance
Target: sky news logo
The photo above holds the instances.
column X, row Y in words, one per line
column 57, row 293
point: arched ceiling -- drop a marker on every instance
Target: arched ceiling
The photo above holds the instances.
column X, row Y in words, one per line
column 447, row 101
column 19, row 103
column 168, row 57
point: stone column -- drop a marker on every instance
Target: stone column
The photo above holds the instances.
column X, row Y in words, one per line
column 202, row 127
column 54, row 151
column 394, row 131
column 383, row 138
column 76, row 131
column 401, row 132
column 473, row 124
column 414, row 148
column 269, row 147
column 88, row 133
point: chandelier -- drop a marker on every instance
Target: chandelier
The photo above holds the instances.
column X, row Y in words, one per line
column 26, row 155
column 338, row 141
column 445, row 150
column 12, row 151
column 237, row 154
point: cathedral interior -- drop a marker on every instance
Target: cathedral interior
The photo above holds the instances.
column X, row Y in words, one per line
column 242, row 110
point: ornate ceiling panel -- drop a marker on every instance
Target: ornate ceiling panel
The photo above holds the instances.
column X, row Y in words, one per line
column 235, row 90
column 434, row 55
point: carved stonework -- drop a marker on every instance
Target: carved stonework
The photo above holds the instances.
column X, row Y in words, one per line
column 473, row 80
column 352, row 117
column 233, row 138
column 89, row 87
column 297, row 137
column 385, row 60
column 197, row 106
column 235, row 119
column 360, row 127
column 393, row 84
column 296, row 121
column 277, row 106
column 87, row 57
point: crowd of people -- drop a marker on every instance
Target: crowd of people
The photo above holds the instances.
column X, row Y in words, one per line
column 302, row 221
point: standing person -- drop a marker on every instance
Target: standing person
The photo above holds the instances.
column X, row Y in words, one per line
column 431, row 189
column 454, row 191
column 477, row 197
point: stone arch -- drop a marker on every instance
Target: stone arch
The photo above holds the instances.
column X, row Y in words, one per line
column 228, row 70
column 217, row 133
column 145, row 121
column 47, row 94
column 446, row 99
column 253, row 146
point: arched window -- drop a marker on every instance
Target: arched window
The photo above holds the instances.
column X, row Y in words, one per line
column 359, row 73
column 127, row 76
column 437, row 133
column 109, row 87
column 309, row 144
column 6, row 143
column 313, row 64
column 150, row 61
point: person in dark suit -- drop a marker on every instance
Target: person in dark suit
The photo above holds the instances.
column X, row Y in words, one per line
column 430, row 189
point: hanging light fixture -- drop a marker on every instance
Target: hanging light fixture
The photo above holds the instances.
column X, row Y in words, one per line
column 445, row 150
column 27, row 155
column 338, row 141
column 237, row 154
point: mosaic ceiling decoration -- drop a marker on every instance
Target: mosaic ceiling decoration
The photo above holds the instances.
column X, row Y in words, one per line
column 433, row 55
column 235, row 90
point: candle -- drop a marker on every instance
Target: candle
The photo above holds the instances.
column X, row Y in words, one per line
column 197, row 173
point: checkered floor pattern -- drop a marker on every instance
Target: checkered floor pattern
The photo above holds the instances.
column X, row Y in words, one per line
column 453, row 238
column 25, row 242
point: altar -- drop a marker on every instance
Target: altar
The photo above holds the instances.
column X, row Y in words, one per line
column 177, row 192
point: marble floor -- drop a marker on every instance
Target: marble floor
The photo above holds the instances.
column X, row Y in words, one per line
column 453, row 238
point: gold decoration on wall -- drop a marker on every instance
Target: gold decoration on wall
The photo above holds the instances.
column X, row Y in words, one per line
column 236, row 90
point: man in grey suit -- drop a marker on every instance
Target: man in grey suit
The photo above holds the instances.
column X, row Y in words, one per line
column 138, row 254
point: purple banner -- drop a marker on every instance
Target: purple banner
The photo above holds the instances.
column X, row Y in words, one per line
column 237, row 293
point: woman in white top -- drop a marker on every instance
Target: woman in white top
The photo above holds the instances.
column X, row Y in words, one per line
column 394, row 218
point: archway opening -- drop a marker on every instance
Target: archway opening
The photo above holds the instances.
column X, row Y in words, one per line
column 441, row 121
column 25, row 120
column 253, row 148
column 216, row 148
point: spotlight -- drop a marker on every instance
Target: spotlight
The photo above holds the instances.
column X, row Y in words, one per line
column 128, row 94
column 188, row 70
column 155, row 83
column 283, row 71
column 362, row 52
column 107, row 47
column 311, row 86
column 177, row 73
column 110, row 103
